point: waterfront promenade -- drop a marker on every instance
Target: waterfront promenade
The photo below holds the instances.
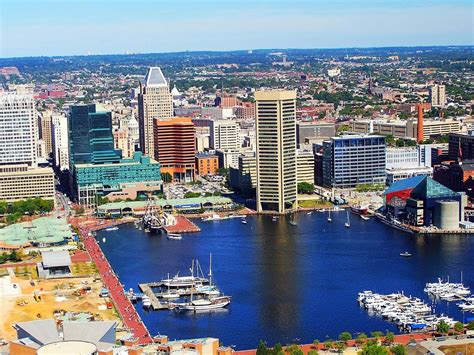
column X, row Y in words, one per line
column 130, row 317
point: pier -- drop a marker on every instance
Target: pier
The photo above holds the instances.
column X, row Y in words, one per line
column 146, row 288
column 183, row 225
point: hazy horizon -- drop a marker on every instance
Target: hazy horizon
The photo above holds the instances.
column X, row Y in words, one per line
column 32, row 28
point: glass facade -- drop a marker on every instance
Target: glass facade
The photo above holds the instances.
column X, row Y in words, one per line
column 90, row 136
column 352, row 160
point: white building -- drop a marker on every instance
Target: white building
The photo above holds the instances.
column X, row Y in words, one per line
column 408, row 157
column 334, row 72
column 224, row 134
column 60, row 141
column 154, row 101
column 400, row 174
column 437, row 95
column 228, row 158
column 276, row 150
column 18, row 129
column 217, row 113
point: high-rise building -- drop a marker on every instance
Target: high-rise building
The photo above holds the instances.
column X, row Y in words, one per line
column 45, row 133
column 349, row 161
column 154, row 101
column 305, row 166
column 224, row 134
column 90, row 136
column 122, row 142
column 276, row 150
column 20, row 181
column 60, row 141
column 438, row 95
column 18, row 129
column 175, row 147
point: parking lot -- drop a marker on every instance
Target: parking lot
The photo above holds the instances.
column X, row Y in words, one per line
column 204, row 186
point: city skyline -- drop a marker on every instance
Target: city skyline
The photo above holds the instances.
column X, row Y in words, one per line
column 149, row 27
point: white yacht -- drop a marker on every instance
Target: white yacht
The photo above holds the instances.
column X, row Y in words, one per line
column 174, row 236
column 204, row 304
column 146, row 301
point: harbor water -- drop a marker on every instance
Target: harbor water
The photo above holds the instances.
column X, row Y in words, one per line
column 289, row 283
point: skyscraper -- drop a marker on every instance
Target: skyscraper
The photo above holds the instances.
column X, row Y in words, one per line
column 276, row 150
column 90, row 136
column 154, row 101
column 60, row 141
column 438, row 95
column 18, row 129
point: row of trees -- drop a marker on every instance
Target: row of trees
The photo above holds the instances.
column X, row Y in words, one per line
column 12, row 256
column 368, row 346
column 29, row 206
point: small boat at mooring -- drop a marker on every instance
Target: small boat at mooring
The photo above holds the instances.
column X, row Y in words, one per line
column 405, row 254
column 174, row 236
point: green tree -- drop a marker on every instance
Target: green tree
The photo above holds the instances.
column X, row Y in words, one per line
column 166, row 177
column 316, row 343
column 190, row 194
column 361, row 339
column 305, row 188
column 377, row 335
column 389, row 337
column 277, row 349
column 470, row 325
column 328, row 344
column 399, row 349
column 442, row 327
column 313, row 352
column 372, row 348
column 345, row 337
column 3, row 207
column 262, row 348
column 459, row 327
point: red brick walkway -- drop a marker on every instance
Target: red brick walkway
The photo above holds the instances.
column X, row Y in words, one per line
column 130, row 317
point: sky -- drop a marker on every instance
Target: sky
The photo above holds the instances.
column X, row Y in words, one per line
column 76, row 27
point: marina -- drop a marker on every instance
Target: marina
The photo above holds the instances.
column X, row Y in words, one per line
column 287, row 281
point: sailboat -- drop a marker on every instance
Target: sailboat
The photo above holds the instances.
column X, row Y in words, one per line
column 348, row 222
column 292, row 220
column 169, row 294
column 205, row 304
column 329, row 216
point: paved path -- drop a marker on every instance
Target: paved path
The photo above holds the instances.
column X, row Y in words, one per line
column 130, row 317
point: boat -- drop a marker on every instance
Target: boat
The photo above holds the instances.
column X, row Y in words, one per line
column 329, row 216
column 358, row 209
column 103, row 240
column 292, row 220
column 274, row 218
column 146, row 301
column 110, row 229
column 348, row 222
column 204, row 304
column 170, row 294
column 405, row 254
column 213, row 217
column 186, row 281
column 310, row 212
column 365, row 218
column 174, row 236
column 243, row 221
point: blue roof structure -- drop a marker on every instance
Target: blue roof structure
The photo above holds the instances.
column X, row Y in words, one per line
column 404, row 184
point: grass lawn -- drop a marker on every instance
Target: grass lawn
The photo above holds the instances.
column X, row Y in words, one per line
column 85, row 268
column 314, row 204
column 26, row 272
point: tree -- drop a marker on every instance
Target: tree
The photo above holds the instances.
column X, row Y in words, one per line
column 459, row 327
column 277, row 349
column 372, row 348
column 377, row 335
column 361, row 339
column 398, row 349
column 166, row 177
column 305, row 188
column 470, row 325
column 191, row 194
column 313, row 352
column 442, row 327
column 389, row 337
column 316, row 343
column 328, row 344
column 262, row 348
column 3, row 207
column 345, row 337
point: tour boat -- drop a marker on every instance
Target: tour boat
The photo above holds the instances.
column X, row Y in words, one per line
column 365, row 218
column 214, row 217
column 185, row 281
column 204, row 304
column 174, row 236
column 110, row 229
column 170, row 294
column 243, row 221
column 103, row 240
column 405, row 254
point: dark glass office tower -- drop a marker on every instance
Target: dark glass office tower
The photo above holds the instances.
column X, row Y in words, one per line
column 90, row 136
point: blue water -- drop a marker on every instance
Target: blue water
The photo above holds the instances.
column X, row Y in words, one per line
column 289, row 283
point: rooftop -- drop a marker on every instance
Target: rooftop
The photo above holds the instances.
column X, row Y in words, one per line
column 47, row 230
column 56, row 258
column 155, row 78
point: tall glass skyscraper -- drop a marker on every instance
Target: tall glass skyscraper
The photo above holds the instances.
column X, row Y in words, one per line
column 90, row 136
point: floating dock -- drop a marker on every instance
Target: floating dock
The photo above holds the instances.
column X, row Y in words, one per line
column 183, row 225
column 146, row 288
